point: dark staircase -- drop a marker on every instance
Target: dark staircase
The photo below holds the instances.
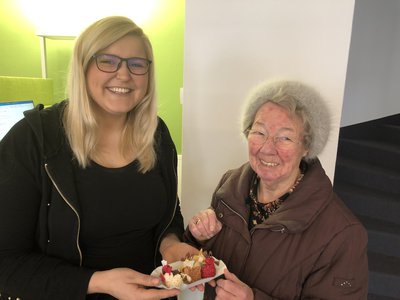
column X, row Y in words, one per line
column 367, row 178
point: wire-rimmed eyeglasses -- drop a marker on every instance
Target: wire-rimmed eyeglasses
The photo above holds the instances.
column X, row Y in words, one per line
column 111, row 63
column 282, row 141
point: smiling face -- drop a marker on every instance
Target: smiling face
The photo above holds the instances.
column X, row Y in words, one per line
column 276, row 164
column 119, row 92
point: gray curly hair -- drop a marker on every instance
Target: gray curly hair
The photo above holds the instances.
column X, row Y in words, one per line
column 298, row 98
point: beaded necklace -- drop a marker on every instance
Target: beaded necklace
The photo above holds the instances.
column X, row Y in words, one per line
column 259, row 212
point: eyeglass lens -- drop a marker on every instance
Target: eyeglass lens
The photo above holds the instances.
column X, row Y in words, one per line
column 111, row 63
column 281, row 141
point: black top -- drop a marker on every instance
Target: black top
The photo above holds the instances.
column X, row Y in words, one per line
column 120, row 209
column 40, row 225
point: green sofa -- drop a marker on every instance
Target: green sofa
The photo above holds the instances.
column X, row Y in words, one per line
column 40, row 90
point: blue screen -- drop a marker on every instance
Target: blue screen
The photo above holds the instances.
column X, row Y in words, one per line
column 11, row 113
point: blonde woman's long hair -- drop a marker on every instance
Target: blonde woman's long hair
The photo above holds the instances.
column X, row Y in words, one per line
column 79, row 119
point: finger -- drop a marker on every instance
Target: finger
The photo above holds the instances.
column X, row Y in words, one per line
column 200, row 226
column 196, row 220
column 200, row 216
column 230, row 276
column 199, row 287
column 232, row 286
column 193, row 224
column 212, row 283
column 207, row 224
column 222, row 292
column 195, row 231
column 214, row 224
column 191, row 250
column 147, row 280
column 204, row 225
column 161, row 294
column 212, row 220
column 218, row 225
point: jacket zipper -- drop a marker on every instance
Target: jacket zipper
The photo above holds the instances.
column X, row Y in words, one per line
column 240, row 216
column 73, row 209
column 173, row 214
column 232, row 210
column 282, row 230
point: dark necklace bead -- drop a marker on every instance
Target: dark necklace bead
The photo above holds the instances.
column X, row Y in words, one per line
column 259, row 212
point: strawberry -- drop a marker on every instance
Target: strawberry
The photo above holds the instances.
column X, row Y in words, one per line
column 208, row 269
column 162, row 278
column 166, row 269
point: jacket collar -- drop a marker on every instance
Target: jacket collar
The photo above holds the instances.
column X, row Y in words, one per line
column 299, row 210
column 309, row 198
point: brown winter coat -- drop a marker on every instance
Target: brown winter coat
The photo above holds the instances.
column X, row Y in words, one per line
column 311, row 248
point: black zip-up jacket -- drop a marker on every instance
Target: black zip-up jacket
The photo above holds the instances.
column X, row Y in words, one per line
column 40, row 256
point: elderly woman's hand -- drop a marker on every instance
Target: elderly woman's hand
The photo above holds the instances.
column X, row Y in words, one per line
column 204, row 225
column 231, row 288
column 172, row 249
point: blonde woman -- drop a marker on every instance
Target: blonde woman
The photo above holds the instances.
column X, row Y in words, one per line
column 89, row 205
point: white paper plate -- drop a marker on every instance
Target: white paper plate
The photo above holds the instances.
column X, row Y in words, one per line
column 219, row 270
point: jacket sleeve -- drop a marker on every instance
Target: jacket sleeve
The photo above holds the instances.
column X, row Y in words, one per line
column 166, row 152
column 25, row 270
column 341, row 272
column 176, row 226
column 207, row 244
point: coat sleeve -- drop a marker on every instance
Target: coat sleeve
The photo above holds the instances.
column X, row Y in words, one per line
column 25, row 270
column 341, row 272
column 166, row 152
column 207, row 244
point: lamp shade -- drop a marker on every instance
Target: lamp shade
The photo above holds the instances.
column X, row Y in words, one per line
column 66, row 19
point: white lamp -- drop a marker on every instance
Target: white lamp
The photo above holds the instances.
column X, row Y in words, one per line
column 66, row 19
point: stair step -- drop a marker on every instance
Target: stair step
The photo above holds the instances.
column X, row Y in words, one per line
column 367, row 178
column 367, row 175
column 385, row 129
column 384, row 277
column 384, row 263
column 377, row 153
column 383, row 237
column 392, row 133
column 384, row 284
column 380, row 297
column 369, row 202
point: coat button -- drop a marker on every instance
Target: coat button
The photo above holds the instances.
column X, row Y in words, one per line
column 220, row 215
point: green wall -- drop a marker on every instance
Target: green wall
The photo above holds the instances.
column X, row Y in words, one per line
column 20, row 55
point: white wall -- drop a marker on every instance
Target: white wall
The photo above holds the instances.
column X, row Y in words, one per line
column 372, row 85
column 230, row 46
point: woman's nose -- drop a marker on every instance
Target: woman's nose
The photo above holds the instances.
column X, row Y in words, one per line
column 123, row 70
column 268, row 145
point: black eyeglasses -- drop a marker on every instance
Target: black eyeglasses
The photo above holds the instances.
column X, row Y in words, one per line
column 111, row 63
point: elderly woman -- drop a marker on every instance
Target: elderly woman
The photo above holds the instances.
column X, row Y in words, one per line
column 275, row 221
